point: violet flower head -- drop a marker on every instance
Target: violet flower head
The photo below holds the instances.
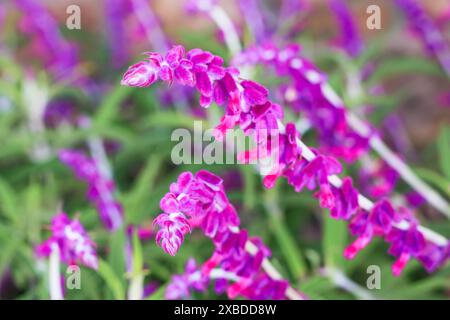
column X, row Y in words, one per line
column 73, row 243
column 350, row 39
column 262, row 287
column 116, row 12
column 427, row 30
column 377, row 178
column 404, row 245
column 310, row 93
column 193, row 201
column 181, row 285
column 100, row 188
column 199, row 201
column 59, row 112
column 59, row 55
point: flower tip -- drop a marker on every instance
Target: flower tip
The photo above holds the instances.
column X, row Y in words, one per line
column 350, row 252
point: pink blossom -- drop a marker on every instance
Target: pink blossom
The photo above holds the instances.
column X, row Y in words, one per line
column 71, row 239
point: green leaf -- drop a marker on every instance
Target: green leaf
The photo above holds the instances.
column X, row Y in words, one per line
column 111, row 279
column 434, row 179
column 8, row 202
column 111, row 103
column 138, row 259
column 287, row 243
column 136, row 199
column 391, row 67
column 335, row 237
column 444, row 151
column 174, row 119
column 116, row 257
column 418, row 290
column 158, row 294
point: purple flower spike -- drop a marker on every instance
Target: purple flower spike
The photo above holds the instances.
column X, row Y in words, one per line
column 202, row 200
column 73, row 243
column 309, row 92
column 100, row 188
column 350, row 40
column 173, row 228
column 59, row 55
column 427, row 30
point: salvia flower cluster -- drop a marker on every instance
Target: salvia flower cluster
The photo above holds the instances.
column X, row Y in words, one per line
column 377, row 178
column 47, row 43
column 310, row 93
column 246, row 104
column 350, row 39
column 100, row 188
column 427, row 30
column 200, row 201
column 193, row 279
column 72, row 241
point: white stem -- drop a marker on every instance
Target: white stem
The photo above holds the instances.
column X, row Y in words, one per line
column 291, row 293
column 35, row 99
column 434, row 198
column 215, row 273
column 227, row 27
column 355, row 91
column 149, row 22
column 54, row 275
column 136, row 288
column 98, row 153
column 268, row 267
column 347, row 284
column 303, row 125
column 365, row 203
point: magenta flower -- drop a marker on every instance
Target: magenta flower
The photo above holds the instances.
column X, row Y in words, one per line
column 310, row 93
column 261, row 287
column 47, row 43
column 200, row 201
column 193, row 201
column 378, row 178
column 246, row 104
column 71, row 239
column 350, row 39
column 60, row 111
column 141, row 74
column 116, row 12
column 181, row 285
column 427, row 30
column 100, row 188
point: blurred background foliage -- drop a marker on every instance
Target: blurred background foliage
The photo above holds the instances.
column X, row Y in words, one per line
column 306, row 244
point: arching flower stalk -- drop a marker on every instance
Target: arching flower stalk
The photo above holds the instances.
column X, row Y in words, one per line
column 193, row 279
column 70, row 244
column 350, row 39
column 342, row 133
column 47, row 42
column 100, row 187
column 115, row 13
column 246, row 104
column 378, row 179
column 427, row 30
column 199, row 201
